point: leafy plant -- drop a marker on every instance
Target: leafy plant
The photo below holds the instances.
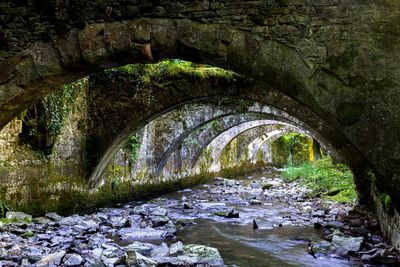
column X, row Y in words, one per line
column 4, row 208
column 133, row 146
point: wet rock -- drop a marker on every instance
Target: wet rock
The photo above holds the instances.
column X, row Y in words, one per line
column 134, row 258
column 142, row 248
column 159, row 220
column 345, row 244
column 18, row 216
column 228, row 214
column 212, row 206
column 206, row 255
column 72, row 260
column 255, row 225
column 187, row 206
column 51, row 260
column 255, row 202
column 323, row 247
column 176, row 249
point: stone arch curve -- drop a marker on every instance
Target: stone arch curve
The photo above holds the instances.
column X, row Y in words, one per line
column 211, row 159
column 267, row 139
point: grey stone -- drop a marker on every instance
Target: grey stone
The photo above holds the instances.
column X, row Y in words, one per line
column 206, row 255
column 176, row 249
column 53, row 216
column 18, row 216
column 51, row 260
column 347, row 243
column 73, row 260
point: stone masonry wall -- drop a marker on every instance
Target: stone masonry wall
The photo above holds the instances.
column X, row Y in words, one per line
column 9, row 139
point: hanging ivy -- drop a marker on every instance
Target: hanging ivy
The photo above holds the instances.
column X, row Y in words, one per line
column 58, row 105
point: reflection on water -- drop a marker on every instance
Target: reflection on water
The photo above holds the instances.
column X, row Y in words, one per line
column 242, row 246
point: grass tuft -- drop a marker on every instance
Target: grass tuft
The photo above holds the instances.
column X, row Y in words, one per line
column 334, row 182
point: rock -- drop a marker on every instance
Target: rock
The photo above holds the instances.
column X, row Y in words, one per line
column 8, row 264
column 228, row 214
column 255, row 202
column 212, row 206
column 160, row 251
column 70, row 221
column 3, row 253
column 41, row 220
column 323, row 247
column 187, row 206
column 25, row 263
column 159, row 220
column 255, row 185
column 334, row 224
column 134, row 258
column 207, row 255
column 266, row 186
column 318, row 213
column 53, row 216
column 334, row 211
column 141, row 233
column 142, row 248
column 229, row 183
column 18, row 216
column 51, row 260
column 255, row 225
column 72, row 260
column 345, row 244
column 176, row 249
column 317, row 225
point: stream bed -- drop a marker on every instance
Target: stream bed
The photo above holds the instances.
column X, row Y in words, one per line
column 252, row 220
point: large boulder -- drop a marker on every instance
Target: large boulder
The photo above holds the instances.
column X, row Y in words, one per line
column 18, row 216
column 345, row 244
column 208, row 256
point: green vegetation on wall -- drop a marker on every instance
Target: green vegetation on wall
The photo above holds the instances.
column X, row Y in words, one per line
column 42, row 123
column 133, row 147
column 291, row 149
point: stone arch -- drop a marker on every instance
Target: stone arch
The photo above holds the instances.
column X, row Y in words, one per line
column 268, row 138
column 313, row 69
column 211, row 158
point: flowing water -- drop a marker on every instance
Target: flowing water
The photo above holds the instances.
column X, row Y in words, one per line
column 240, row 245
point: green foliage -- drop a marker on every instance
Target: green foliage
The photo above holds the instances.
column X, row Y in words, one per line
column 323, row 178
column 58, row 105
column 4, row 208
column 290, row 149
column 44, row 120
column 386, row 201
column 133, row 146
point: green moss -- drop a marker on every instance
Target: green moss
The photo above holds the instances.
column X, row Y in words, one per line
column 153, row 74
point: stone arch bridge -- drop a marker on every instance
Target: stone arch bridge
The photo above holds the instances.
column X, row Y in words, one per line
column 333, row 65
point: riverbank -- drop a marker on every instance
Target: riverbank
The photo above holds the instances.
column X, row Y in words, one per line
column 257, row 220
